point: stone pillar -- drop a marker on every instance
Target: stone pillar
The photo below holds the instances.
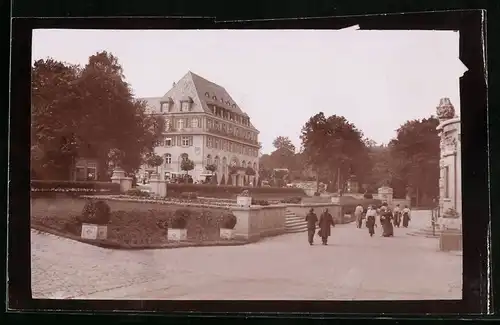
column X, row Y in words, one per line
column 450, row 180
column 385, row 194
column 158, row 186
column 119, row 177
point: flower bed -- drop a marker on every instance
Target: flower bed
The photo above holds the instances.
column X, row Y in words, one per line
column 44, row 188
column 138, row 228
column 223, row 191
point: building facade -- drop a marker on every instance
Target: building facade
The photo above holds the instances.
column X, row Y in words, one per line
column 450, row 180
column 205, row 125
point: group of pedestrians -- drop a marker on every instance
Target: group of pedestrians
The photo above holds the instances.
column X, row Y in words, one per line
column 388, row 219
column 324, row 222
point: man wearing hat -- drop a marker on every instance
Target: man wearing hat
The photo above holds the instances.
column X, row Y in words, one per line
column 311, row 219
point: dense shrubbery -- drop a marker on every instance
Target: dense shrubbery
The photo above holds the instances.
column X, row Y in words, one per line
column 259, row 202
column 316, row 194
column 180, row 219
column 189, row 195
column 96, row 212
column 368, row 196
column 137, row 192
column 228, row 220
column 294, row 200
column 176, row 190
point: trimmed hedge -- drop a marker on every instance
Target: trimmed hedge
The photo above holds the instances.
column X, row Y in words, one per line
column 74, row 187
column 228, row 191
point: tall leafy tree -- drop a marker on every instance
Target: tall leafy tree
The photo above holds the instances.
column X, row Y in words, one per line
column 333, row 146
column 88, row 112
column 284, row 142
column 416, row 154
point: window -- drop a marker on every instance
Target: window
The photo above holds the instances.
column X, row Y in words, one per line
column 216, row 144
column 168, row 124
column 446, row 180
column 214, row 97
column 230, row 129
column 180, row 124
column 168, row 142
column 248, row 135
column 209, row 160
column 225, row 146
column 168, row 159
column 195, row 122
column 209, row 142
column 91, row 173
column 185, row 106
column 184, row 157
column 207, row 94
column 224, row 127
column 209, row 123
column 230, row 146
column 185, row 141
column 243, row 164
column 236, row 132
column 165, row 107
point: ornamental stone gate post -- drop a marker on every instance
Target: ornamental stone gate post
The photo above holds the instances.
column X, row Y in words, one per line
column 385, row 194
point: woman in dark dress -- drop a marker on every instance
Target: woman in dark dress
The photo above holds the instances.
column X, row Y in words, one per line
column 406, row 216
column 386, row 220
column 370, row 220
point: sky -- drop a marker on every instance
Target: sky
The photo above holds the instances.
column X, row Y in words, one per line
column 377, row 80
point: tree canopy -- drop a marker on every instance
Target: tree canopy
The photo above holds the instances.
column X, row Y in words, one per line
column 334, row 146
column 87, row 112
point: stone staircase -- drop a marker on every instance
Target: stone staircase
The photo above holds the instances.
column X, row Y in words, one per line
column 294, row 223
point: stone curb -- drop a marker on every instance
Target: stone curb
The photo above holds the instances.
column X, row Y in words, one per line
column 114, row 245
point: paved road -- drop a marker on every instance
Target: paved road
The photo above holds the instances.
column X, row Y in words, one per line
column 353, row 267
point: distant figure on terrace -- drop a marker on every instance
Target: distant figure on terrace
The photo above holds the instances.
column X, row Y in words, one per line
column 311, row 219
column 358, row 213
column 325, row 222
column 397, row 216
column 406, row 216
column 386, row 221
column 371, row 214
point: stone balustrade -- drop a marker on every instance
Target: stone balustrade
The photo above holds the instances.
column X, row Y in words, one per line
column 255, row 222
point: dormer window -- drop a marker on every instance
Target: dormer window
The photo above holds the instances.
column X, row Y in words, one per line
column 165, row 106
column 228, row 103
column 214, row 97
column 207, row 94
column 186, row 103
column 233, row 106
column 222, row 100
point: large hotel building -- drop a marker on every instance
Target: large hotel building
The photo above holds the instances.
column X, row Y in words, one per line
column 205, row 125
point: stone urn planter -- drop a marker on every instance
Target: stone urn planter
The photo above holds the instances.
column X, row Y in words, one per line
column 95, row 219
column 244, row 199
column 177, row 229
column 227, row 226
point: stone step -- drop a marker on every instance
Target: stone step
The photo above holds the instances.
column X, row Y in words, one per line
column 295, row 218
column 295, row 223
column 296, row 228
column 290, row 231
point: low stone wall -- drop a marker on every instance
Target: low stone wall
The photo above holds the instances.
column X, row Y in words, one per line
column 401, row 202
column 256, row 222
column 301, row 210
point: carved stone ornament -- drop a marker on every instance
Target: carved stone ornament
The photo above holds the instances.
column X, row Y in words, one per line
column 450, row 143
column 445, row 110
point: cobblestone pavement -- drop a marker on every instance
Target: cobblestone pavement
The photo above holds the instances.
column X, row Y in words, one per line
column 352, row 267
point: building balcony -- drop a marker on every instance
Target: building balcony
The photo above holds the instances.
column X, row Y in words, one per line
column 232, row 136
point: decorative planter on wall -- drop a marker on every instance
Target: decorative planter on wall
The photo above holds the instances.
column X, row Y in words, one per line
column 244, row 201
column 93, row 231
column 175, row 234
column 226, row 233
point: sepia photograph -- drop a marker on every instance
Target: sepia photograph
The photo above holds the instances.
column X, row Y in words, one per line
column 246, row 165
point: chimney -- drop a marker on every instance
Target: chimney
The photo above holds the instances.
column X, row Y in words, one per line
column 173, row 84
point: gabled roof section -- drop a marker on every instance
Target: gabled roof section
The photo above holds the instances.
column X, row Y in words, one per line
column 211, row 93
